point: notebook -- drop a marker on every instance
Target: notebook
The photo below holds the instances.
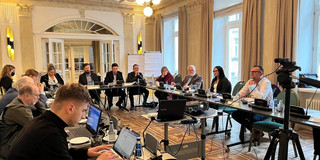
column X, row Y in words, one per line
column 170, row 110
column 125, row 143
column 92, row 125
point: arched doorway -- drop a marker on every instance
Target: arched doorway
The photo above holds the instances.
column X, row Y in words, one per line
column 70, row 43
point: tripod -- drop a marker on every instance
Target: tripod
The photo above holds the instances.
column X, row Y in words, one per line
column 285, row 134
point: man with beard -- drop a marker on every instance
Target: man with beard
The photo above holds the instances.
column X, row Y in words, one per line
column 191, row 79
column 90, row 78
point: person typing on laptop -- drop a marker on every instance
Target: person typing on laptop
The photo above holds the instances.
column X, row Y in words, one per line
column 45, row 137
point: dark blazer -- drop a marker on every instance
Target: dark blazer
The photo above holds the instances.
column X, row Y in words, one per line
column 45, row 79
column 196, row 80
column 6, row 83
column 224, row 85
column 109, row 77
column 45, row 138
column 94, row 77
column 132, row 78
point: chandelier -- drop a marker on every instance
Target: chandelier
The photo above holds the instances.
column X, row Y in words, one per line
column 148, row 11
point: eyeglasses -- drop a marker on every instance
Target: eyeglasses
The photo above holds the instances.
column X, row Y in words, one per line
column 251, row 72
column 215, row 71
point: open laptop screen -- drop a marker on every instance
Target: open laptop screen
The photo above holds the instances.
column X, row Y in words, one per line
column 93, row 119
column 125, row 143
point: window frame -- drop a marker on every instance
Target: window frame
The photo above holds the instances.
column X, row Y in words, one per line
column 228, row 26
column 316, row 39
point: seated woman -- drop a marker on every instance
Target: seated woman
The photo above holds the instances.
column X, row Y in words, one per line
column 165, row 78
column 51, row 79
column 7, row 73
column 220, row 83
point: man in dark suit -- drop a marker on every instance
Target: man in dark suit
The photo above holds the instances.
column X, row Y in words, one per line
column 136, row 76
column 112, row 77
column 90, row 78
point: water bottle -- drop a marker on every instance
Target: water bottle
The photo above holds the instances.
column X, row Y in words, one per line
column 280, row 106
column 275, row 103
column 138, row 148
column 92, row 82
column 111, row 132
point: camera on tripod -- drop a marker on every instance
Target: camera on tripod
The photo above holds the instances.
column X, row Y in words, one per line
column 284, row 74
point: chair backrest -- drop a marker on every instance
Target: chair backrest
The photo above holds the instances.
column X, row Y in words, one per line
column 237, row 88
column 294, row 99
column 275, row 89
column 178, row 78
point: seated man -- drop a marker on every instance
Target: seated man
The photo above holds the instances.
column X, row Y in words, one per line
column 191, row 79
column 136, row 76
column 13, row 93
column 45, row 137
column 112, row 77
column 258, row 87
column 17, row 114
column 90, row 78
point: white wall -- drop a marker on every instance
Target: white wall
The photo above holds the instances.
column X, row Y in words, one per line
column 14, row 25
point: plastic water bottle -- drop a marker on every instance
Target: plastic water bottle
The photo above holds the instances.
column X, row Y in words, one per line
column 280, row 106
column 138, row 148
column 92, row 82
column 275, row 103
column 111, row 133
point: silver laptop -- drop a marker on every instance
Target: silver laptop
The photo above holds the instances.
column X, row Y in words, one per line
column 92, row 125
column 125, row 143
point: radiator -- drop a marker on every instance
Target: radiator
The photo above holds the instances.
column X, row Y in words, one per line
column 315, row 104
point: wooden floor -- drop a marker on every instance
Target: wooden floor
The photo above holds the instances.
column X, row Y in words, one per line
column 215, row 144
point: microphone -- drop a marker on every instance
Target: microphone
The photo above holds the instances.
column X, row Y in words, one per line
column 151, row 119
column 174, row 74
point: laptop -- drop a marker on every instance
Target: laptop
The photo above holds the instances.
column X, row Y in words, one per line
column 92, row 125
column 170, row 110
column 125, row 143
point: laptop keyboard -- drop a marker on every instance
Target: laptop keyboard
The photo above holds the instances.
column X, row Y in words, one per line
column 80, row 132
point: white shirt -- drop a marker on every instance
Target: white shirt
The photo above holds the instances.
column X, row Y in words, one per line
column 262, row 91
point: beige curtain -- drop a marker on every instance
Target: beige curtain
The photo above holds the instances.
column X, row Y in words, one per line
column 183, row 43
column 206, row 42
column 251, row 39
column 158, row 32
column 286, row 32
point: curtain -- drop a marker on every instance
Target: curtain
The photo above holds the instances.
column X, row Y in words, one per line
column 206, row 42
column 285, row 33
column 251, row 39
column 158, row 32
column 183, row 37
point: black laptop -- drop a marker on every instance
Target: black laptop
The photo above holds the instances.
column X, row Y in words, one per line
column 170, row 110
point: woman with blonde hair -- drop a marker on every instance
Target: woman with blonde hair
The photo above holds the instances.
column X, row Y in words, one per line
column 51, row 78
column 8, row 71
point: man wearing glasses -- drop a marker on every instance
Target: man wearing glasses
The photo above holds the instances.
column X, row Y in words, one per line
column 17, row 114
column 258, row 87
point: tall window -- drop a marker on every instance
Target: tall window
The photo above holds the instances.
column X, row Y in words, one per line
column 316, row 54
column 171, row 43
column 308, row 53
column 226, row 46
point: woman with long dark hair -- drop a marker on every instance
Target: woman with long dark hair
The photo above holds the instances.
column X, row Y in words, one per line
column 220, row 83
column 8, row 71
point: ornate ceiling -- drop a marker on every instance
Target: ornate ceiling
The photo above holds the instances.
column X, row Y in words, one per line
column 127, row 6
